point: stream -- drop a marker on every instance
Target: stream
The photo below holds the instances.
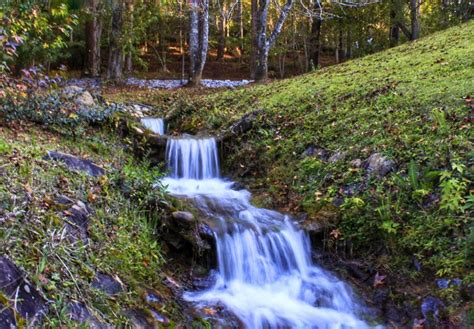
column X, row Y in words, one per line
column 265, row 274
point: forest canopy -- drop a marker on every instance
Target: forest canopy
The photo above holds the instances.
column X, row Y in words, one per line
column 254, row 39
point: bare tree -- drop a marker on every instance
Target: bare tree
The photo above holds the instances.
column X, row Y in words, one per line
column 198, row 39
column 115, row 65
column 93, row 32
column 226, row 11
column 264, row 42
column 414, row 16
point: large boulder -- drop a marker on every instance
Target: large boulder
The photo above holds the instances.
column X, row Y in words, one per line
column 29, row 304
column 79, row 95
column 75, row 163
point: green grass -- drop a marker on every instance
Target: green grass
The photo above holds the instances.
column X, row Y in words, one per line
column 123, row 238
column 406, row 103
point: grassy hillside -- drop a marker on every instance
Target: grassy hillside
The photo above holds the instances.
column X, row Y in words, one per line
column 409, row 104
column 62, row 257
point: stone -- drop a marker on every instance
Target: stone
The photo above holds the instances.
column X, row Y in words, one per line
column 30, row 305
column 338, row 156
column 64, row 200
column 379, row 165
column 201, row 282
column 78, row 312
column 160, row 318
column 107, row 284
column 72, row 91
column 139, row 319
column 183, row 216
column 75, row 163
column 245, row 123
column 356, row 163
column 153, row 298
column 352, row 189
column 431, row 308
column 319, row 153
column 79, row 95
column 85, row 100
column 77, row 224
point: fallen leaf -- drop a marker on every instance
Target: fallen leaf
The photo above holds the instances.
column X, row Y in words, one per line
column 379, row 280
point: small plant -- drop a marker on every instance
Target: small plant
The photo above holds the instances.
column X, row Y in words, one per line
column 453, row 188
column 439, row 116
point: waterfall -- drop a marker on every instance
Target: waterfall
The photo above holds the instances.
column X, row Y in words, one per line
column 265, row 273
column 156, row 125
column 192, row 158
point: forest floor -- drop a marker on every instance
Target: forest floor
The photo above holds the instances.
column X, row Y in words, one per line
column 377, row 151
column 86, row 246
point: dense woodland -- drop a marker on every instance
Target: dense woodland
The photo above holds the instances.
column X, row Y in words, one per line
column 235, row 38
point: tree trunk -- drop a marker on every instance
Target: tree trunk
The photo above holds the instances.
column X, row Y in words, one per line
column 93, row 31
column 349, row 44
column 394, row 27
column 114, row 69
column 261, row 69
column 316, row 41
column 254, row 42
column 241, row 28
column 222, row 34
column 340, row 47
column 415, row 15
column 263, row 43
column 129, row 56
column 198, row 39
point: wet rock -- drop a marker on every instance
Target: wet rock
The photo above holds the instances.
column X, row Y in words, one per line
column 153, row 298
column 338, row 156
column 107, row 284
column 76, row 163
column 442, row 283
column 29, row 304
column 205, row 231
column 316, row 224
column 183, row 217
column 139, row 319
column 245, row 123
column 201, row 282
column 78, row 312
column 317, row 152
column 160, row 318
column 379, row 165
column 431, row 308
column 446, row 283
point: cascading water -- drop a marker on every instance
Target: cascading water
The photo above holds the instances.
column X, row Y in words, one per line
column 156, row 125
column 265, row 273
